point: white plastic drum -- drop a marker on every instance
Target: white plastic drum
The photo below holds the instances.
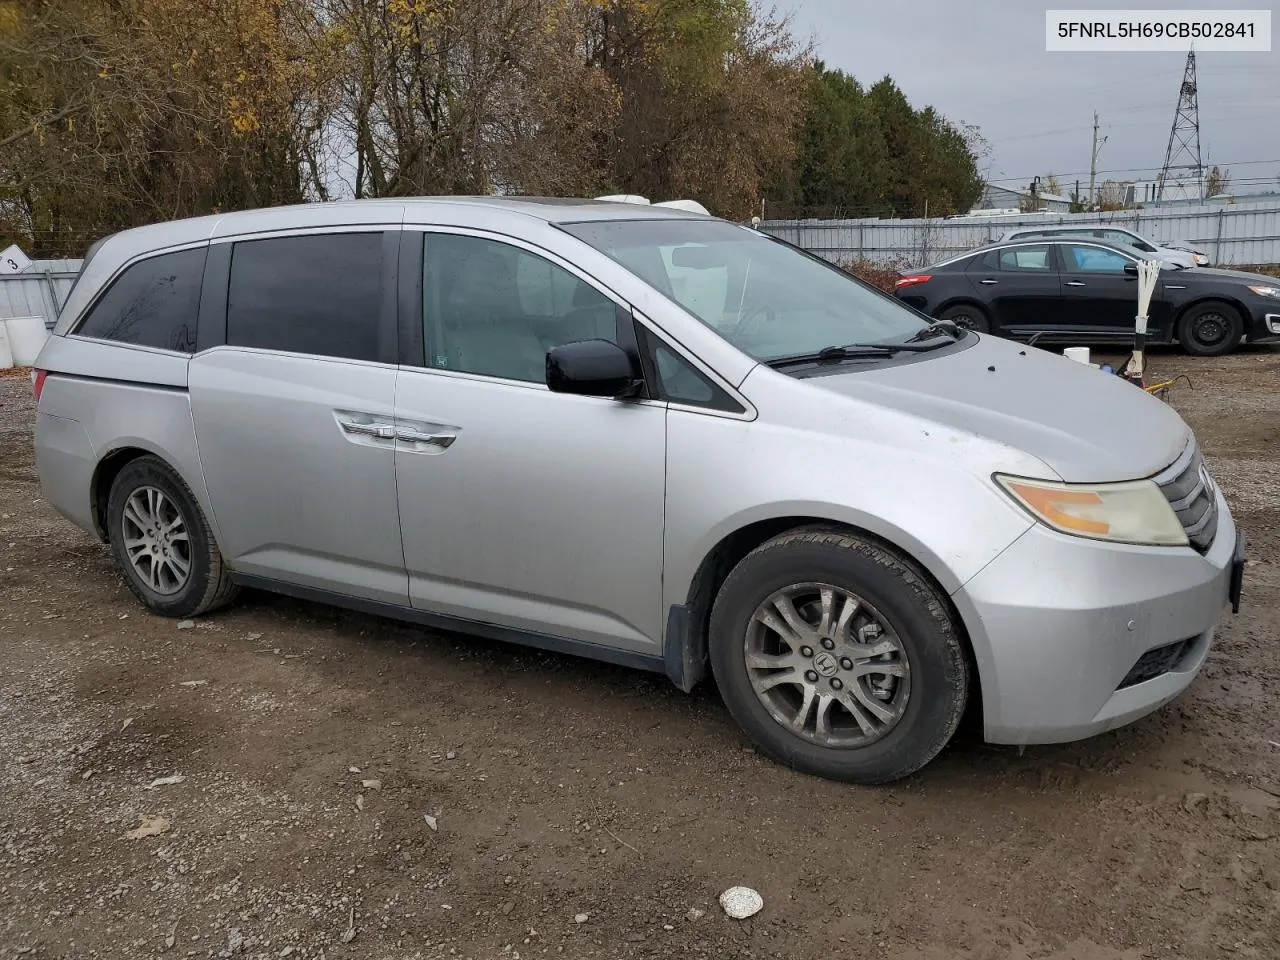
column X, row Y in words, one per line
column 6, row 355
column 26, row 336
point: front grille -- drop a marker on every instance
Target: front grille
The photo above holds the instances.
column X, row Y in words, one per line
column 1157, row 662
column 1190, row 491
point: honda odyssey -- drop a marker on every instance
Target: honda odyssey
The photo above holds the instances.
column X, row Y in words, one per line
column 644, row 435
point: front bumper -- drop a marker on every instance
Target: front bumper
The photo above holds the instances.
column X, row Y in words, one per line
column 1265, row 327
column 1060, row 624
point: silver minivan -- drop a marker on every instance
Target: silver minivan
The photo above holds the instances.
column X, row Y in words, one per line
column 642, row 435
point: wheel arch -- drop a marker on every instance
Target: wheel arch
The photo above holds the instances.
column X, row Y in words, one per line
column 962, row 299
column 1238, row 305
column 685, row 648
column 115, row 459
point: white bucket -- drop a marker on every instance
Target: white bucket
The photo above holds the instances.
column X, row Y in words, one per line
column 1078, row 354
column 6, row 355
column 26, row 336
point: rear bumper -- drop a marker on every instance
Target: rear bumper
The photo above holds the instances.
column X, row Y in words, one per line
column 1060, row 626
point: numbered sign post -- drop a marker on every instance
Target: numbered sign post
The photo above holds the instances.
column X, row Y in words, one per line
column 13, row 260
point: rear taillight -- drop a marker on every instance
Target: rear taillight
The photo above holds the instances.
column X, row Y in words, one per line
column 37, row 382
column 911, row 280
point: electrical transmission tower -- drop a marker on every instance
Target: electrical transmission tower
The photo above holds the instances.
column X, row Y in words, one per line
column 1183, row 152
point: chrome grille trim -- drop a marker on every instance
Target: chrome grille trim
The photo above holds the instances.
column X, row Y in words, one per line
column 1192, row 494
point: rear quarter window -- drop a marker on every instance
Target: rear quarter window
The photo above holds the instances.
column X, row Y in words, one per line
column 153, row 303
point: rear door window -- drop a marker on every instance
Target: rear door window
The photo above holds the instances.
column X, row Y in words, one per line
column 154, row 303
column 1033, row 257
column 319, row 295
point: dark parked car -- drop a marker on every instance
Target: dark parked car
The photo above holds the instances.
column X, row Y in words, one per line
column 1068, row 290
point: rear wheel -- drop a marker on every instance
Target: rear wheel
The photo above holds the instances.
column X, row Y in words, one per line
column 162, row 541
column 837, row 657
column 1210, row 329
column 968, row 316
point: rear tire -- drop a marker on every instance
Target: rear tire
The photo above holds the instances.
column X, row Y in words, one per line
column 867, row 693
column 967, row 316
column 1210, row 329
column 162, row 542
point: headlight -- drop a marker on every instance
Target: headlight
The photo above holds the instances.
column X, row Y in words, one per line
column 1266, row 291
column 1131, row 512
column 1201, row 260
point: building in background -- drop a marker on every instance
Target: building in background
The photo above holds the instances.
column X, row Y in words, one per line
column 997, row 197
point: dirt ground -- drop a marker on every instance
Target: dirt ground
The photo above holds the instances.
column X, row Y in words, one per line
column 583, row 810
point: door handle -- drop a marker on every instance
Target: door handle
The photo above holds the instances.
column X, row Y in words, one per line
column 441, row 440
column 379, row 431
column 1075, row 283
column 988, row 281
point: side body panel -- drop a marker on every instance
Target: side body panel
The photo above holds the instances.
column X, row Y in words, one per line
column 299, row 496
column 920, row 487
column 544, row 513
column 111, row 415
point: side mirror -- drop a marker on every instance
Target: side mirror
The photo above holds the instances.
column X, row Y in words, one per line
column 1131, row 269
column 591, row 368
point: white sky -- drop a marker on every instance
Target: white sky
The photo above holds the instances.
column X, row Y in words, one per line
column 984, row 62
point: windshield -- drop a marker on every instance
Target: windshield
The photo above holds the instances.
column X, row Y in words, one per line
column 767, row 299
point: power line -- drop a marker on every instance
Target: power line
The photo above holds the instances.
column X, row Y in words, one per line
column 1085, row 173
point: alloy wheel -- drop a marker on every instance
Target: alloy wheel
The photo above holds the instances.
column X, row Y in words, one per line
column 827, row 665
column 156, row 540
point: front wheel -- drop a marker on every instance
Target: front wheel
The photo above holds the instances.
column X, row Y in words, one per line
column 163, row 543
column 837, row 657
column 1210, row 329
column 968, row 317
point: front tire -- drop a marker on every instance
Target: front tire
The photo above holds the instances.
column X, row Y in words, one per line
column 162, row 541
column 837, row 657
column 1210, row 329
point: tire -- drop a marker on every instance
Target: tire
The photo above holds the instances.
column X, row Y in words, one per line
column 969, row 316
column 1210, row 329
column 926, row 695
column 144, row 489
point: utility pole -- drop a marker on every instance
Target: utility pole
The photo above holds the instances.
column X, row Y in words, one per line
column 1093, row 162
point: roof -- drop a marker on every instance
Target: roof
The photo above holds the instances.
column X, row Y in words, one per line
column 523, row 215
column 443, row 210
column 1029, row 241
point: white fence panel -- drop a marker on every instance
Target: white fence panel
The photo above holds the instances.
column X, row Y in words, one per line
column 1238, row 233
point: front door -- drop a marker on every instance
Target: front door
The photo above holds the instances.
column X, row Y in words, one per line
column 294, row 414
column 522, row 508
column 1100, row 299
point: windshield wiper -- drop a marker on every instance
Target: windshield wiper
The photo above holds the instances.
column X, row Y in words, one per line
column 855, row 351
column 926, row 334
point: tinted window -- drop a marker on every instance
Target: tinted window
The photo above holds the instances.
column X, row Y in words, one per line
column 152, row 304
column 318, row 295
column 1084, row 259
column 495, row 309
column 1035, row 257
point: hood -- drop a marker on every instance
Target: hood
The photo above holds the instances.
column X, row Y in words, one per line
column 1172, row 255
column 1087, row 426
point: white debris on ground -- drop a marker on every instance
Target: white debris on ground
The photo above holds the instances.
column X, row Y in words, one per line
column 741, row 902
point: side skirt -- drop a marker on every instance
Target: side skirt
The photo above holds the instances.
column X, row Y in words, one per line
column 436, row 621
